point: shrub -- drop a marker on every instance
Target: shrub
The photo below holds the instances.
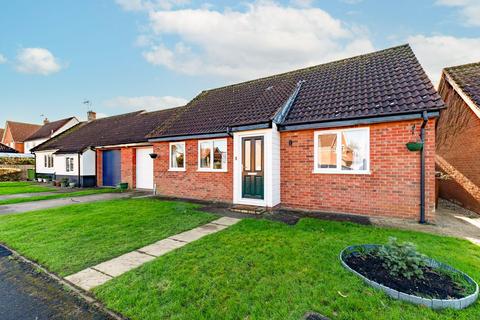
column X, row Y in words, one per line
column 17, row 161
column 10, row 174
column 402, row 259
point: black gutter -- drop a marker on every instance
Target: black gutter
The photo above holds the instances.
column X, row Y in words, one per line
column 347, row 123
column 265, row 125
column 422, row 168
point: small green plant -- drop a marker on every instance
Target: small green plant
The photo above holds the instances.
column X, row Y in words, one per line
column 402, row 259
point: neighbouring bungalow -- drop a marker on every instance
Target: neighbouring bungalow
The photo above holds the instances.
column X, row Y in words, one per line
column 48, row 131
column 328, row 138
column 6, row 149
column 458, row 136
column 15, row 134
column 103, row 152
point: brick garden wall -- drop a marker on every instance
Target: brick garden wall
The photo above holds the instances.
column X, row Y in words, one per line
column 458, row 150
column 392, row 189
column 216, row 186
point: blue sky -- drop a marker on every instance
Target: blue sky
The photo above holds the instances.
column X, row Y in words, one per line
column 125, row 55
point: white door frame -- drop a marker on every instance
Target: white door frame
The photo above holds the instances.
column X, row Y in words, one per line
column 269, row 199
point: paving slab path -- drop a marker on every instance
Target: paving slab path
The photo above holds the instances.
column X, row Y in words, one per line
column 97, row 275
column 47, row 204
column 27, row 195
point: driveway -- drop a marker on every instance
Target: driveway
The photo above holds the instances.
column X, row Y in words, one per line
column 47, row 204
column 450, row 220
column 27, row 294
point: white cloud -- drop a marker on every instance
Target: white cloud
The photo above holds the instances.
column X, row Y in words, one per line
column 2, row 59
column 147, row 5
column 469, row 10
column 438, row 52
column 302, row 3
column 264, row 39
column 146, row 102
column 37, row 61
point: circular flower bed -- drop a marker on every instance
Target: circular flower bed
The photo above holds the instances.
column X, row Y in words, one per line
column 412, row 277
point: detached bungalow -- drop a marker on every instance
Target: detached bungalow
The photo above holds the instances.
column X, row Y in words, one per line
column 16, row 133
column 458, row 135
column 103, row 152
column 327, row 138
column 47, row 131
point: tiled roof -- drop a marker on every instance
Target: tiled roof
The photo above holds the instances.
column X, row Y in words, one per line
column 121, row 129
column 48, row 129
column 1, row 134
column 387, row 82
column 467, row 77
column 21, row 131
column 6, row 149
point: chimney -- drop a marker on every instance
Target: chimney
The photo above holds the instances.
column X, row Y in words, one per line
column 91, row 115
column 45, row 121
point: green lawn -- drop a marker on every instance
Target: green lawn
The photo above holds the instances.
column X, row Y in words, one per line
column 71, row 238
column 260, row 269
column 22, row 187
column 58, row 196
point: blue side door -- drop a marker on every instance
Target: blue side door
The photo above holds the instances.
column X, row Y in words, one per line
column 111, row 167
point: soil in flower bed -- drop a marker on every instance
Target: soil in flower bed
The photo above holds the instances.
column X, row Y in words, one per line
column 435, row 284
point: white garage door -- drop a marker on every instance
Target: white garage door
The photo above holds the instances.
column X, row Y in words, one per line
column 144, row 168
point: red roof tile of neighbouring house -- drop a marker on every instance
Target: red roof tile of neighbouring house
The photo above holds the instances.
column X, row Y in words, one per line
column 383, row 83
column 6, row 149
column 1, row 133
column 116, row 130
column 21, row 131
column 467, row 78
column 48, row 129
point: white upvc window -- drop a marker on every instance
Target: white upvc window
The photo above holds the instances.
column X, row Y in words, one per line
column 342, row 151
column 69, row 164
column 48, row 161
column 212, row 155
column 177, row 156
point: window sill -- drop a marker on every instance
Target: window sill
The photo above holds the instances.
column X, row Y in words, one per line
column 341, row 172
column 212, row 170
column 177, row 169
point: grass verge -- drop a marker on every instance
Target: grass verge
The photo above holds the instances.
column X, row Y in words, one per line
column 260, row 269
column 69, row 239
column 7, row 188
column 58, row 196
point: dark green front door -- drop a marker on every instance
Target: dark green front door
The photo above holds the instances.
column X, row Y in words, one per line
column 253, row 168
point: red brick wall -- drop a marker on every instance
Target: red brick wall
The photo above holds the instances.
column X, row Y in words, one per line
column 217, row 186
column 99, row 169
column 392, row 188
column 458, row 150
column 127, row 166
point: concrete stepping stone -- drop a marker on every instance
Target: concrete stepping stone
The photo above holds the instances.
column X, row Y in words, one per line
column 162, row 247
column 88, row 279
column 123, row 263
column 197, row 233
column 226, row 221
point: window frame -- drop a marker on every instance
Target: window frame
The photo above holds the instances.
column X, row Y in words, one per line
column 339, row 170
column 211, row 169
column 170, row 168
column 69, row 166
